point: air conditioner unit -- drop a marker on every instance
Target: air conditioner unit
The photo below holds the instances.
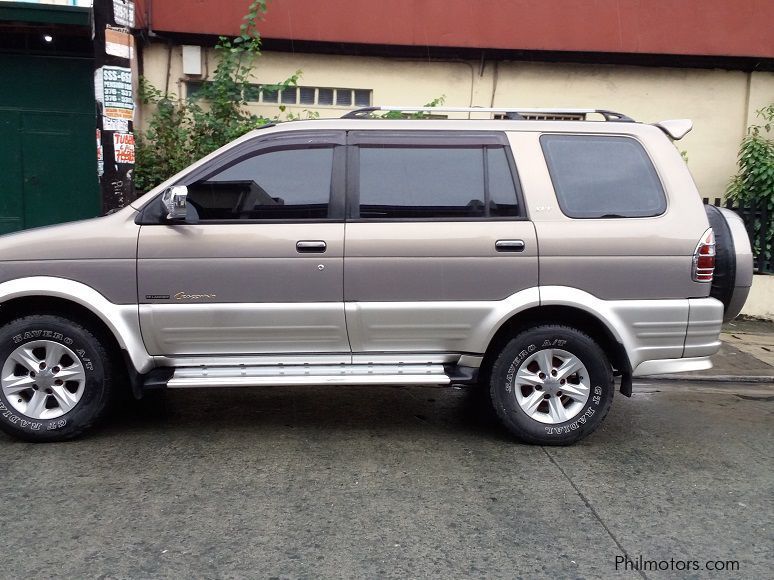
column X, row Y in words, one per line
column 192, row 60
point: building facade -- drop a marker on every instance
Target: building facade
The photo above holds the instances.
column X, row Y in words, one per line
column 708, row 60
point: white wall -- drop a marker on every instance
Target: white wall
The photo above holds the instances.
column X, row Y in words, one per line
column 760, row 302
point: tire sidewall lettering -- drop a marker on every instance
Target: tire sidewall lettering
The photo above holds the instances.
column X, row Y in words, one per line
column 27, row 423
column 523, row 354
column 569, row 427
column 42, row 334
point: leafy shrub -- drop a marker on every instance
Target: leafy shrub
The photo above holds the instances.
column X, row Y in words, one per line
column 180, row 131
column 753, row 185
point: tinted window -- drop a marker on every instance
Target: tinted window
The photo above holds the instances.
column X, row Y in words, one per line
column 325, row 96
column 284, row 184
column 602, row 176
column 424, row 182
column 502, row 191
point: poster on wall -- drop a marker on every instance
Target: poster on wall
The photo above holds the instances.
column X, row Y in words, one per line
column 113, row 87
column 100, row 155
column 110, row 124
column 119, row 42
column 123, row 146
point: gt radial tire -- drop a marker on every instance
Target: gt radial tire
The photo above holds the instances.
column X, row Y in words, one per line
column 551, row 385
column 55, row 380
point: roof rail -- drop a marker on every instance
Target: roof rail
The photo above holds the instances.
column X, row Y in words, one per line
column 512, row 113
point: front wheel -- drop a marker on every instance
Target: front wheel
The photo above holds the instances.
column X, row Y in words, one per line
column 551, row 385
column 54, row 378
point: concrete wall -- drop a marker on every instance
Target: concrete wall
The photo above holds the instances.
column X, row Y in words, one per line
column 761, row 93
column 760, row 303
column 721, row 103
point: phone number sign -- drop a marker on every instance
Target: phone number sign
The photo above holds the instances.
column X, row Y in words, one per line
column 114, row 91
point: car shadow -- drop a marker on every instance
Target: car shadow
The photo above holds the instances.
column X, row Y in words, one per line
column 418, row 410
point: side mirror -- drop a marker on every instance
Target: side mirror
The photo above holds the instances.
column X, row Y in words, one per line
column 174, row 200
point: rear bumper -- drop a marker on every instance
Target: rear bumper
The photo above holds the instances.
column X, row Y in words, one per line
column 655, row 330
column 702, row 336
column 690, row 352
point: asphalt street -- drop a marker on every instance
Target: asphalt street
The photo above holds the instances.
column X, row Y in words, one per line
column 394, row 482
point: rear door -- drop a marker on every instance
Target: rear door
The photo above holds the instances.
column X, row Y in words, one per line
column 436, row 237
column 262, row 270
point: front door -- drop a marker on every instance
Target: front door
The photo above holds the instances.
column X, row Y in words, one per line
column 262, row 270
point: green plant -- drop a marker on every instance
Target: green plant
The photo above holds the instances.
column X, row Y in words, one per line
column 753, row 185
column 181, row 131
column 436, row 102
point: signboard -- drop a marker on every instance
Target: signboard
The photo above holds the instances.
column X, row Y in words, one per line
column 113, row 86
column 118, row 42
column 123, row 12
column 123, row 146
column 110, row 124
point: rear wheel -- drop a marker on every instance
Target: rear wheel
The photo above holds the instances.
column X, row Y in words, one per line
column 551, row 385
column 55, row 378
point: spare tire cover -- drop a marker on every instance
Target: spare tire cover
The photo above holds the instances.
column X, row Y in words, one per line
column 724, row 279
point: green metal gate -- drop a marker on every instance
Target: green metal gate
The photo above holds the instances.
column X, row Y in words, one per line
column 48, row 158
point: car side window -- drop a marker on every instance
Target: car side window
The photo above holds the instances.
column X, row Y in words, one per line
column 435, row 182
column 602, row 176
column 282, row 184
column 503, row 201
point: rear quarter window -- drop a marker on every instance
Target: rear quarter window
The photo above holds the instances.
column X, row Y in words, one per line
column 602, row 176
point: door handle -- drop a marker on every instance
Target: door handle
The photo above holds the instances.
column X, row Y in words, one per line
column 311, row 246
column 509, row 245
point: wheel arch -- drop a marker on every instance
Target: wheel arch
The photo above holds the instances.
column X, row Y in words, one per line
column 43, row 294
column 566, row 315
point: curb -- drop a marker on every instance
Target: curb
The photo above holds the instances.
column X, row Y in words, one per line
column 711, row 378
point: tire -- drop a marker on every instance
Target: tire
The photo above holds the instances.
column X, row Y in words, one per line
column 37, row 406
column 518, row 392
column 724, row 277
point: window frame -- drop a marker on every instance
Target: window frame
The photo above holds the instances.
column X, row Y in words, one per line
column 153, row 212
column 654, row 166
column 432, row 140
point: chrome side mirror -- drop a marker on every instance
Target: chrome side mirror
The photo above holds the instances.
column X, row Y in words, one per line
column 174, row 200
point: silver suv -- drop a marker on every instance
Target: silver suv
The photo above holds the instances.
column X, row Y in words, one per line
column 535, row 256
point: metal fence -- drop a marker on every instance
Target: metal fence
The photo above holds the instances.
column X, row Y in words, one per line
column 751, row 215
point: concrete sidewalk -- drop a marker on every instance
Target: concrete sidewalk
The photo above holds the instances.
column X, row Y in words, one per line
column 746, row 355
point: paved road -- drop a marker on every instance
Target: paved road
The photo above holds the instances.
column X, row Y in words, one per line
column 381, row 482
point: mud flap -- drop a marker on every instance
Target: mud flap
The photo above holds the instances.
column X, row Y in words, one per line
column 626, row 384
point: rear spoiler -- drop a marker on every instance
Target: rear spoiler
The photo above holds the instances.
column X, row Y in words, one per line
column 676, row 129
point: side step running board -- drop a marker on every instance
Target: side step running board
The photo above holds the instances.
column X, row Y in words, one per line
column 287, row 375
